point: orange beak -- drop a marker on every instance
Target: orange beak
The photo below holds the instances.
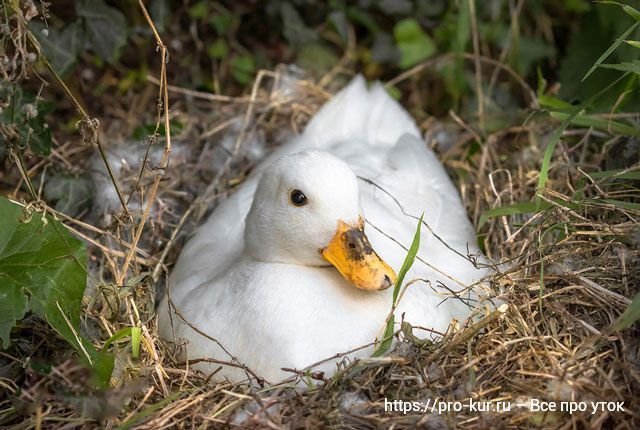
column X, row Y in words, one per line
column 351, row 253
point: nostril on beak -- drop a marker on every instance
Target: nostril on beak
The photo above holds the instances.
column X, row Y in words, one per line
column 386, row 283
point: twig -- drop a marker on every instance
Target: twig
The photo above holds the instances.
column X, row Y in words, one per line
column 87, row 121
column 164, row 162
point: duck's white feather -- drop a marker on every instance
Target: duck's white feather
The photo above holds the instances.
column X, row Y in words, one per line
column 271, row 315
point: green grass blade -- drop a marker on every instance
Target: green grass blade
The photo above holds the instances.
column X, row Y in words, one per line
column 134, row 332
column 599, row 124
column 629, row 316
column 408, row 261
column 122, row 333
column 555, row 137
column 387, row 338
column 136, row 336
column 616, row 174
column 621, row 204
column 633, row 13
column 611, row 48
column 629, row 66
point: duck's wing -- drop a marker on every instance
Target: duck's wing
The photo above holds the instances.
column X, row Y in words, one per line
column 414, row 183
column 216, row 244
column 361, row 113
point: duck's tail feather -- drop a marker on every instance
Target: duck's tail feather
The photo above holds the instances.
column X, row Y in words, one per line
column 358, row 112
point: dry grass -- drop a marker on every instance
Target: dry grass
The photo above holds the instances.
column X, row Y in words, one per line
column 566, row 274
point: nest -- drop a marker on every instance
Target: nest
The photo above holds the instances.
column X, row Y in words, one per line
column 564, row 273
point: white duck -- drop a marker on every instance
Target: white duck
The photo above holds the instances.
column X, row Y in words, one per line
column 260, row 275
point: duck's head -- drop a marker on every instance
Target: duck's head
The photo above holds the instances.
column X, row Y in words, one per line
column 306, row 211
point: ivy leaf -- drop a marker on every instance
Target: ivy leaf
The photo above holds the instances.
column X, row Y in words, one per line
column 222, row 22
column 28, row 115
column 199, row 10
column 13, row 307
column 218, row 49
column 414, row 44
column 60, row 47
column 43, row 268
column 105, row 27
column 39, row 138
column 242, row 68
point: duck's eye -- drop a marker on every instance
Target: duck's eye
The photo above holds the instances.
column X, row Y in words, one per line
column 297, row 198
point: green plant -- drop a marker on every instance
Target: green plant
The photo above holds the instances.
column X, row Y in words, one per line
column 43, row 270
column 387, row 336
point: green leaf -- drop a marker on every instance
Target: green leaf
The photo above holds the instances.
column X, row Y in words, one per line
column 625, row 7
column 584, row 49
column 555, row 103
column 619, row 203
column 136, row 336
column 242, row 69
column 555, row 137
column 453, row 74
column 120, row 334
column 13, row 305
column 611, row 48
column 547, row 101
column 598, row 123
column 414, row 44
column 634, row 43
column 630, row 66
column 38, row 136
column 387, row 339
column 616, row 174
column 42, row 264
column 577, row 5
column 105, row 28
column 199, row 10
column 218, row 49
column 60, row 47
column 222, row 22
column 409, row 260
column 28, row 114
column 629, row 316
